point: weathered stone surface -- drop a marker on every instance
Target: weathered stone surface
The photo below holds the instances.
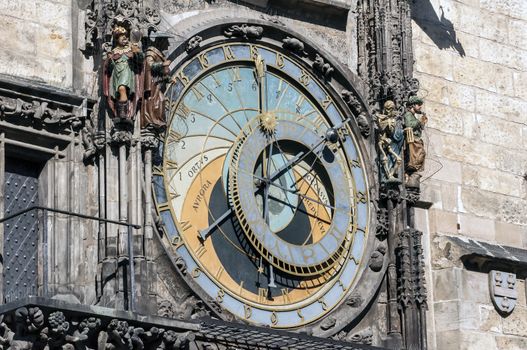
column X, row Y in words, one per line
column 510, row 234
column 516, row 322
column 511, row 343
column 490, row 320
column 443, row 221
column 445, row 282
column 477, row 227
column 474, row 287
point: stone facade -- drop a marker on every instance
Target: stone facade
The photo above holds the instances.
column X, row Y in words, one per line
column 470, row 59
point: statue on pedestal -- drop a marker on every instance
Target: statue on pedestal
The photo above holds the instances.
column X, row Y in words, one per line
column 414, row 122
column 390, row 142
column 122, row 75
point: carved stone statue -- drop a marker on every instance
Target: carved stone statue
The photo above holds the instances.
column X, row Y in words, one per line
column 414, row 122
column 390, row 142
column 122, row 78
column 153, row 105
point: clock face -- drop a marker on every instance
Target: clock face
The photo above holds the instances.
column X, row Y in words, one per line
column 262, row 187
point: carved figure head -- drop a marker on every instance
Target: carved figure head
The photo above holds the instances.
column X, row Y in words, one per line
column 120, row 36
column 389, row 106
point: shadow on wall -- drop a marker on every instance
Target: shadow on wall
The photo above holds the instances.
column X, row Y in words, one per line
column 439, row 29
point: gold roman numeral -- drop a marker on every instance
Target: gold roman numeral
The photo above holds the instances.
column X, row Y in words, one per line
column 171, row 165
column 326, row 102
column 174, row 136
column 219, row 272
column 285, row 295
column 236, row 74
column 198, row 94
column 200, row 251
column 185, row 225
column 229, row 55
column 262, row 295
column 183, row 110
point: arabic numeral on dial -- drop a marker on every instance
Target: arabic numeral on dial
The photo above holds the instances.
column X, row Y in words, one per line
column 219, row 297
column 299, row 313
column 254, row 86
column 248, row 311
column 274, row 318
column 209, row 98
column 183, row 144
column 229, row 87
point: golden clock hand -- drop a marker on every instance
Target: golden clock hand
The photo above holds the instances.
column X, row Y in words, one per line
column 259, row 65
column 203, row 234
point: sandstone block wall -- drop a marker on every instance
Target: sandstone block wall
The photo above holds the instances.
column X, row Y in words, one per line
column 471, row 60
column 37, row 41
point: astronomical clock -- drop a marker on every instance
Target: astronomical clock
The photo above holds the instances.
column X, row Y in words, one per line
column 263, row 180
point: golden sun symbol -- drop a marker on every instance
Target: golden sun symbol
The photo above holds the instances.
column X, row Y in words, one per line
column 268, row 122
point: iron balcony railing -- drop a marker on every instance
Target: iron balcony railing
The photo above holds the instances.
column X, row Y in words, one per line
column 131, row 275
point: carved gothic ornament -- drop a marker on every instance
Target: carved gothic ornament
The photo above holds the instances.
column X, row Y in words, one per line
column 328, row 86
column 411, row 287
column 42, row 114
column 101, row 16
column 44, row 326
column 503, row 291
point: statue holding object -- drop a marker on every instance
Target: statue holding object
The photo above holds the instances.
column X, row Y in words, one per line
column 390, row 142
column 153, row 105
column 414, row 122
column 122, row 75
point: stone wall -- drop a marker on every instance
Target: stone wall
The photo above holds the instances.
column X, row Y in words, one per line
column 471, row 61
column 37, row 41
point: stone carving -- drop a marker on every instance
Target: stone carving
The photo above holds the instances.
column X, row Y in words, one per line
column 244, row 31
column 165, row 309
column 389, row 142
column 41, row 113
column 413, row 128
column 92, row 140
column 272, row 19
column 355, row 300
column 294, row 45
column 503, row 291
column 377, row 258
column 412, row 192
column 364, row 336
column 123, row 78
column 411, row 289
column 149, row 139
column 357, row 108
column 382, row 62
column 328, row 323
column 101, row 17
column 121, row 134
column 153, row 104
column 322, row 67
column 193, row 43
column 382, row 224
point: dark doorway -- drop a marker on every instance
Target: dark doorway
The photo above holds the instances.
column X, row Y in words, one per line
column 20, row 254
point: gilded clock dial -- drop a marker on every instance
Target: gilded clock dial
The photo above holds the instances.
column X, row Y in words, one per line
column 262, row 189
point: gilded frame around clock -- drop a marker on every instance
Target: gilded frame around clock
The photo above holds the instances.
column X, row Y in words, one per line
column 192, row 65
